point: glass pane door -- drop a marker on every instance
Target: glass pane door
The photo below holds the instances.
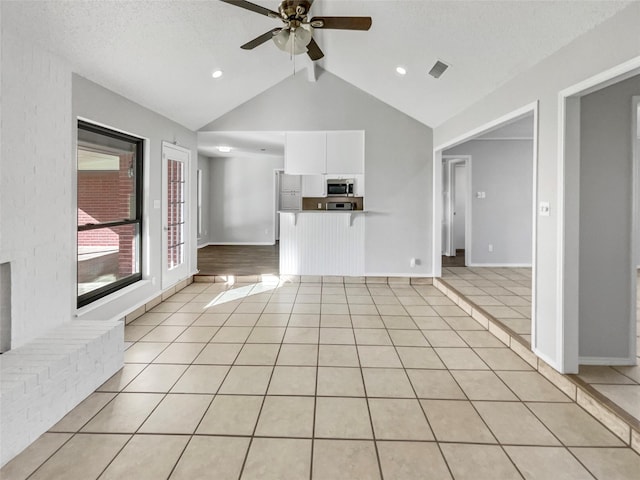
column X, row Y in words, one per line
column 175, row 213
column 176, row 238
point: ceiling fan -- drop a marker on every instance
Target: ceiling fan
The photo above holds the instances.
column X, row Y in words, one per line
column 296, row 36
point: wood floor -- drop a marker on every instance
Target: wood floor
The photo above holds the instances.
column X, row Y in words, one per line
column 239, row 260
column 457, row 261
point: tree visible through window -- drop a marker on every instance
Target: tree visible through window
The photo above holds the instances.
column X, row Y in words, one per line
column 109, row 211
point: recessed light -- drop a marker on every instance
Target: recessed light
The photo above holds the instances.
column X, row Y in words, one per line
column 401, row 70
column 224, row 149
column 217, row 74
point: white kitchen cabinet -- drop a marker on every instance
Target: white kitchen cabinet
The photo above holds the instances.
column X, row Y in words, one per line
column 358, row 188
column 345, row 152
column 305, row 153
column 314, row 186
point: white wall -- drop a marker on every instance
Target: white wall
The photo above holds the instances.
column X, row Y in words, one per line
column 241, row 200
column 612, row 43
column 204, row 164
column 398, row 161
column 503, row 169
column 97, row 104
column 36, row 190
column 606, row 172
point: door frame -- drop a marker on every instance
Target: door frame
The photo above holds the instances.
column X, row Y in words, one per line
column 437, row 198
column 451, row 162
column 171, row 279
column 567, row 329
column 277, row 172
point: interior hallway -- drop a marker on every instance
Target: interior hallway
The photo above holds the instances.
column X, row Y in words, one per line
column 322, row 381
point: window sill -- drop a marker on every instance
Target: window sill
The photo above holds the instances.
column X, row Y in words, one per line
column 82, row 311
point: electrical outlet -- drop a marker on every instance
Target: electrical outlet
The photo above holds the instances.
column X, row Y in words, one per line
column 490, row 247
column 319, row 206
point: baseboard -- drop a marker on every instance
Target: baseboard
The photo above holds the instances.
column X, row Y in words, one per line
column 615, row 361
column 499, row 265
column 239, row 243
column 406, row 275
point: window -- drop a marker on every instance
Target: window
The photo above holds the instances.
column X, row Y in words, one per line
column 109, row 211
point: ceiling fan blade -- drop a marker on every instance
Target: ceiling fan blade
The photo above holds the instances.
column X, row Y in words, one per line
column 342, row 23
column 313, row 50
column 253, row 7
column 265, row 37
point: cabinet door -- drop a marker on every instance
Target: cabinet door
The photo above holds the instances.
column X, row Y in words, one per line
column 313, row 186
column 345, row 152
column 289, row 183
column 305, row 153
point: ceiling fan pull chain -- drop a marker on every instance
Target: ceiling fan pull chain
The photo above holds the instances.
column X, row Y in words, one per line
column 293, row 57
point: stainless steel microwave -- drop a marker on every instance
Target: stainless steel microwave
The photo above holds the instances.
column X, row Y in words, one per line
column 340, row 187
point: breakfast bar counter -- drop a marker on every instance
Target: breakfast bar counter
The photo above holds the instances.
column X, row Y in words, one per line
column 322, row 242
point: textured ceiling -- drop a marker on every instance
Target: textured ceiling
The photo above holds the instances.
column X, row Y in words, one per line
column 161, row 53
column 243, row 144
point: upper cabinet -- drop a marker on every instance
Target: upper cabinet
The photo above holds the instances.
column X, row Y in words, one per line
column 305, row 153
column 317, row 153
column 345, row 152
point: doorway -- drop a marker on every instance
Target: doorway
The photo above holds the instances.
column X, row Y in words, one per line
column 598, row 129
column 456, row 210
column 501, row 216
column 175, row 213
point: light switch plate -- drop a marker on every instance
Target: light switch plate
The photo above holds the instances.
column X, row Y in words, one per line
column 156, row 204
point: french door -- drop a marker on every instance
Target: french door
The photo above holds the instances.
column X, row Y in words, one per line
column 175, row 214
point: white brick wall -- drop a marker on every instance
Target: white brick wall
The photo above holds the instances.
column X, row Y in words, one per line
column 37, row 164
column 54, row 362
column 42, row 381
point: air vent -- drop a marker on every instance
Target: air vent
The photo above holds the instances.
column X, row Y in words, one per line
column 438, row 69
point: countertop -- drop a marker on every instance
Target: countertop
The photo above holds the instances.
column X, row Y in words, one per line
column 322, row 211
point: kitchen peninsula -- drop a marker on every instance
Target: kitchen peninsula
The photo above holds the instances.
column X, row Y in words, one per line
column 326, row 235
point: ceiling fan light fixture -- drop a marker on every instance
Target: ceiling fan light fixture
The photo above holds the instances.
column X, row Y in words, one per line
column 296, row 37
column 281, row 39
column 304, row 36
column 293, row 41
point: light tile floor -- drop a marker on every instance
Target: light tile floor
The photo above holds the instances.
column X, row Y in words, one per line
column 505, row 293
column 322, row 381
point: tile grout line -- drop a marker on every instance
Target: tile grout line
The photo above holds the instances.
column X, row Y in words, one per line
column 281, row 343
column 264, row 396
column 366, row 398
column 420, row 405
column 163, row 398
column 514, row 337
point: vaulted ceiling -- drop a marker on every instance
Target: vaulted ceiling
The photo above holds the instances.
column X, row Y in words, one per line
column 161, row 54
